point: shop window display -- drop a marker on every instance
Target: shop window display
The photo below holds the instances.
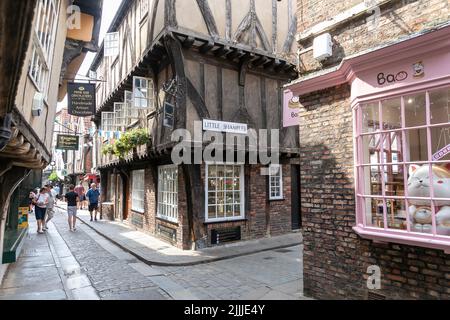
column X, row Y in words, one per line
column 403, row 163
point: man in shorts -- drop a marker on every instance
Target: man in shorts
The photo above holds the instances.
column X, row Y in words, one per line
column 93, row 196
column 72, row 200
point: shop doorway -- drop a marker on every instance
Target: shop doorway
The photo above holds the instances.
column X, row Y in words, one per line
column 295, row 197
column 119, row 198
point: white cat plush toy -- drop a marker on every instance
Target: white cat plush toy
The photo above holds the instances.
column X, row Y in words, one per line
column 420, row 211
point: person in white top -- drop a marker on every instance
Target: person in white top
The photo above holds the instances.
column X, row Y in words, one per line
column 40, row 207
column 50, row 212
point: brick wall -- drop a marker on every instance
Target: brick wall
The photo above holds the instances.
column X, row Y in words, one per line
column 264, row 218
column 398, row 18
column 335, row 257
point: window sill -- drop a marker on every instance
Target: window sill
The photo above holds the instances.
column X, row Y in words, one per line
column 225, row 221
column 167, row 220
column 138, row 212
column 277, row 199
column 402, row 237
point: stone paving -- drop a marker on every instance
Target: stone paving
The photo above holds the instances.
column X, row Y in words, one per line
column 84, row 265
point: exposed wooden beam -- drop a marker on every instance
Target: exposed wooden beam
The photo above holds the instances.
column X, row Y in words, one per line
column 222, row 51
column 206, row 47
column 228, row 22
column 197, row 101
column 208, row 17
column 260, row 61
column 188, row 42
column 236, row 53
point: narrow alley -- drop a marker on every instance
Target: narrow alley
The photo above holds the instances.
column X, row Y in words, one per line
column 83, row 265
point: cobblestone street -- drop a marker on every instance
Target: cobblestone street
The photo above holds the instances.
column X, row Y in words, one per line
column 84, row 265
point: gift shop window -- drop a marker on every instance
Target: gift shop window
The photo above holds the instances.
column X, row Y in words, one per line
column 224, row 190
column 403, row 167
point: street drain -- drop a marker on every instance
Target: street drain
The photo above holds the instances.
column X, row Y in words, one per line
column 268, row 258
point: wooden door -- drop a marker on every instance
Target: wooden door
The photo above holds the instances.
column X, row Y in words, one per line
column 295, row 197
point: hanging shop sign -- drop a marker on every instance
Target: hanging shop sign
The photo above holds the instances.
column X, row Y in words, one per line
column 223, row 126
column 169, row 115
column 81, row 99
column 67, row 142
column 441, row 153
column 291, row 108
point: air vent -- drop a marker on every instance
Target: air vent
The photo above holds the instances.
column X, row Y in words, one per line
column 166, row 233
column 375, row 296
column 219, row 236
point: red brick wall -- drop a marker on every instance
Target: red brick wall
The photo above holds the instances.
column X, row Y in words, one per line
column 335, row 257
column 264, row 217
column 398, row 18
column 278, row 212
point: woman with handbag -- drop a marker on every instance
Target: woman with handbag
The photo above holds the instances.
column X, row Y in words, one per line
column 40, row 207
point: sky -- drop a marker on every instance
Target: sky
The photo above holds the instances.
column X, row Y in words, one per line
column 110, row 8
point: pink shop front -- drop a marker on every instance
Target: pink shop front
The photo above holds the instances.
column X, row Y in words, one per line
column 397, row 102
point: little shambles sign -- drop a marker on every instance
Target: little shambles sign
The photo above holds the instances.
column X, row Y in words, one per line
column 67, row 142
column 223, row 126
column 81, row 99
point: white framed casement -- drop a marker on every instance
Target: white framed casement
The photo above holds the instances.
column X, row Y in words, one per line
column 168, row 193
column 132, row 114
column 108, row 121
column 224, row 192
column 138, row 191
column 43, row 43
column 143, row 93
column 275, row 182
column 120, row 119
column 111, row 44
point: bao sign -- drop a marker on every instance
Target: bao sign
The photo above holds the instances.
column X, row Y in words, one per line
column 81, row 99
column 67, row 142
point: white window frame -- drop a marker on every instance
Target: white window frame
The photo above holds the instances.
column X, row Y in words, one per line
column 120, row 117
column 135, row 190
column 167, row 207
column 241, row 192
column 276, row 172
column 108, row 126
column 132, row 114
column 111, row 45
column 142, row 100
column 43, row 43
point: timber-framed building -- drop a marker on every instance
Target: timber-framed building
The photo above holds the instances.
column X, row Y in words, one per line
column 222, row 61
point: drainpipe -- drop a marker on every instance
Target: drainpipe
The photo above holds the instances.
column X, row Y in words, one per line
column 5, row 131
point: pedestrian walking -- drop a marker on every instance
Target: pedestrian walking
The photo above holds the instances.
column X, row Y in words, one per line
column 50, row 212
column 93, row 196
column 32, row 197
column 81, row 195
column 40, row 208
column 72, row 199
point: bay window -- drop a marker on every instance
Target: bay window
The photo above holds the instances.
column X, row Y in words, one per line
column 403, row 167
column 43, row 43
column 224, row 192
column 138, row 191
column 143, row 92
column 168, row 193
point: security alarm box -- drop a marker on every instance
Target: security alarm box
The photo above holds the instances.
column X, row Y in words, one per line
column 322, row 47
